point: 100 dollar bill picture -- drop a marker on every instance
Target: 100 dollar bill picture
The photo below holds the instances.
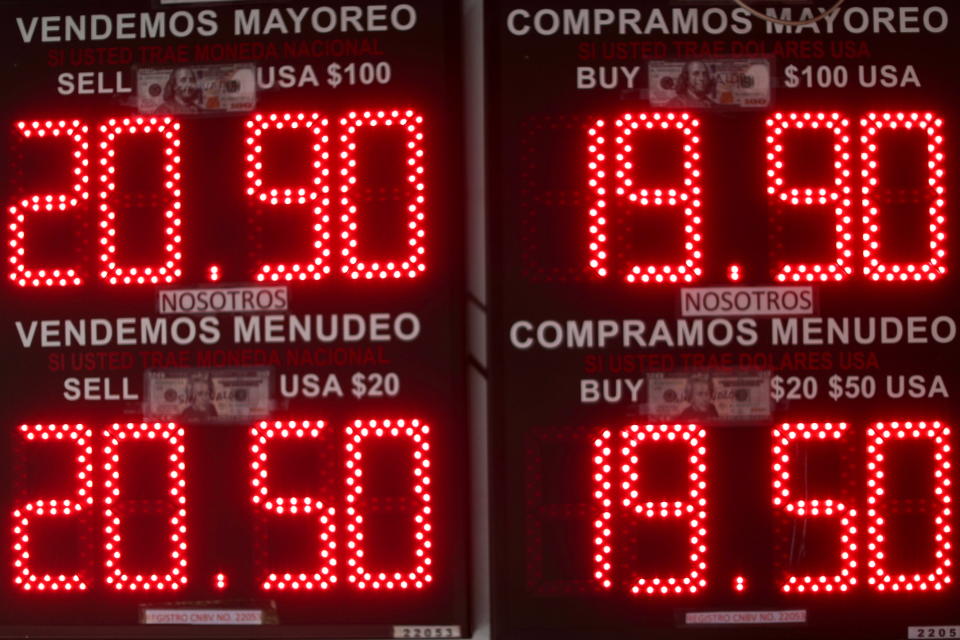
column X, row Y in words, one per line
column 197, row 89
column 708, row 84
column 207, row 395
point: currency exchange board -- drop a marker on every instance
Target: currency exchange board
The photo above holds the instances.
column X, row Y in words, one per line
column 724, row 298
column 231, row 392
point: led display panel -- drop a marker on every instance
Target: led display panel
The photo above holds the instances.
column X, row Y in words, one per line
column 232, row 388
column 723, row 329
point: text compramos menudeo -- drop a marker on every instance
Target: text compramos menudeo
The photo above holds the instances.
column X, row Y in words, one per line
column 722, row 332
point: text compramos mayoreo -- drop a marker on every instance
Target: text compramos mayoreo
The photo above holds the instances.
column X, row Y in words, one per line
column 631, row 21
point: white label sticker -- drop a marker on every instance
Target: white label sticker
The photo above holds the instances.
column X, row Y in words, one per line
column 212, row 300
column 201, row 616
column 746, row 301
column 942, row 631
column 427, row 631
column 790, row 616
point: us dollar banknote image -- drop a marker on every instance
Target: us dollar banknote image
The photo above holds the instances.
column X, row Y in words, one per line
column 215, row 88
column 709, row 396
column 710, row 83
column 207, row 395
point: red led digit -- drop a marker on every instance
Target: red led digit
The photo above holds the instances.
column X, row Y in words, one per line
column 685, row 194
column 21, row 271
column 24, row 577
column 412, row 264
column 418, row 574
column 874, row 266
column 879, row 437
column 169, row 270
column 785, row 438
column 616, row 491
column 169, row 436
column 315, row 195
column 734, row 273
column 603, row 493
column 322, row 575
column 836, row 195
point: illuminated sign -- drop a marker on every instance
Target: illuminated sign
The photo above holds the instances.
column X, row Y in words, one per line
column 723, row 319
column 233, row 386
